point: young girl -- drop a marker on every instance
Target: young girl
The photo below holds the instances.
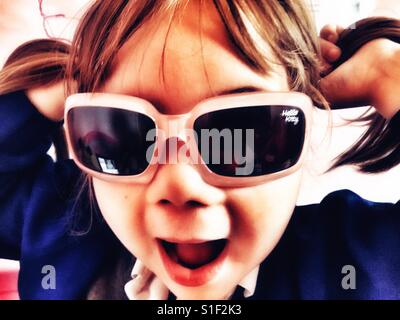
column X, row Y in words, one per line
column 117, row 222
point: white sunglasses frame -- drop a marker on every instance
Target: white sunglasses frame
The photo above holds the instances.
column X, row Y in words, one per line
column 186, row 121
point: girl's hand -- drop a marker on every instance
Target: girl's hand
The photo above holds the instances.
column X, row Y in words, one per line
column 330, row 52
column 370, row 77
column 49, row 100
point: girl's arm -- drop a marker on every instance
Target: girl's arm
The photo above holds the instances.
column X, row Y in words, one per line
column 31, row 183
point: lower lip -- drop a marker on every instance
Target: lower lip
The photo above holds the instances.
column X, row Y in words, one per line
column 192, row 277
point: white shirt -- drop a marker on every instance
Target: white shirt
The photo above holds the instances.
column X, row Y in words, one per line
column 146, row 286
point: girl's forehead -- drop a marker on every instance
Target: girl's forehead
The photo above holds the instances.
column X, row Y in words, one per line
column 186, row 61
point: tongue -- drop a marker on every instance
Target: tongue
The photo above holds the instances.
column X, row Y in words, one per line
column 195, row 254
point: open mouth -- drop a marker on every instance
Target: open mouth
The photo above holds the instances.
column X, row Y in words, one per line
column 193, row 263
column 194, row 255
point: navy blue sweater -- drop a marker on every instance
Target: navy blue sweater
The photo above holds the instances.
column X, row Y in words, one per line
column 45, row 220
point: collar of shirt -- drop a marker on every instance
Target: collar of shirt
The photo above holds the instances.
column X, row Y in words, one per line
column 146, row 286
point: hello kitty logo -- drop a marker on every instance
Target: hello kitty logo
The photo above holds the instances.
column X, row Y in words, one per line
column 291, row 116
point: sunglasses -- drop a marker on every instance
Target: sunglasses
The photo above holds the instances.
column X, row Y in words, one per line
column 233, row 141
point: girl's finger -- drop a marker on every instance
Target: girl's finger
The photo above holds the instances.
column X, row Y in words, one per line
column 325, row 69
column 330, row 52
column 339, row 30
column 330, row 33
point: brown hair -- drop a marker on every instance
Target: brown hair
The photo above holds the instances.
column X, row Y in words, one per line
column 106, row 26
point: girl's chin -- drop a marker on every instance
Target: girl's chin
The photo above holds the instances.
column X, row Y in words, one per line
column 208, row 292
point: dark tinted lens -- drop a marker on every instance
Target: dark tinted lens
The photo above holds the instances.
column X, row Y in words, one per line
column 111, row 140
column 255, row 141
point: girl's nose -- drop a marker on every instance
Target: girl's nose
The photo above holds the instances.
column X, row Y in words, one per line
column 181, row 185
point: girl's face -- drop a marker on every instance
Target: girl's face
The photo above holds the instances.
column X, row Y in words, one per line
column 178, row 206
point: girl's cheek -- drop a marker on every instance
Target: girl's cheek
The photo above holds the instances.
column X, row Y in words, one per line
column 260, row 214
column 121, row 206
